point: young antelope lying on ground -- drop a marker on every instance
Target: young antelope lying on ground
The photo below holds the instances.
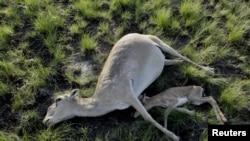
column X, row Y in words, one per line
column 177, row 96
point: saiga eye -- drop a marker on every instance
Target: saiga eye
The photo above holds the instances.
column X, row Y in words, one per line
column 58, row 100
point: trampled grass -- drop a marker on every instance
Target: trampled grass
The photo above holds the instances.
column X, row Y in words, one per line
column 38, row 38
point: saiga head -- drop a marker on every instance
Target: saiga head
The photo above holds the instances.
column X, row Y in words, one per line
column 62, row 108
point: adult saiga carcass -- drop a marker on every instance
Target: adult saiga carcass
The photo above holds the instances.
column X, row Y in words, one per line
column 134, row 62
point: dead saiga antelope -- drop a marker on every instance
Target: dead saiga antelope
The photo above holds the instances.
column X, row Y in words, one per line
column 135, row 61
column 177, row 96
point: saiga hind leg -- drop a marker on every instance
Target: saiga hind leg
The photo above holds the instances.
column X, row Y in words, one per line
column 197, row 99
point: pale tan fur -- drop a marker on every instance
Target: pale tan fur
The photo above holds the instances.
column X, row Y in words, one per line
column 135, row 61
column 177, row 96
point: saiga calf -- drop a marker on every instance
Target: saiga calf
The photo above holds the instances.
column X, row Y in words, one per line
column 177, row 96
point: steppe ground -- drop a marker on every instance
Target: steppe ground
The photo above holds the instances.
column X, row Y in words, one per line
column 43, row 43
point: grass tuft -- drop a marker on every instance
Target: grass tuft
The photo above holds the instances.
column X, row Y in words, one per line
column 121, row 134
column 87, row 43
column 49, row 20
column 50, row 40
column 235, row 96
column 118, row 33
column 194, row 72
column 90, row 9
column 58, row 56
column 126, row 16
column 6, row 32
column 162, row 18
column 58, row 134
column 9, row 69
column 87, row 92
column 76, row 28
column 103, row 28
column 10, row 15
column 118, row 5
column 204, row 135
column 5, row 136
column 4, row 88
column 180, row 119
column 191, row 12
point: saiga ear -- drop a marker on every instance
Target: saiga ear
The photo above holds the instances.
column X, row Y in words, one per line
column 74, row 93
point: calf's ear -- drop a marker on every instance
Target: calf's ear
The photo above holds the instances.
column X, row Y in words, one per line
column 74, row 93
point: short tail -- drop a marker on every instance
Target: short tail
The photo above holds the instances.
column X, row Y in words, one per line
column 165, row 48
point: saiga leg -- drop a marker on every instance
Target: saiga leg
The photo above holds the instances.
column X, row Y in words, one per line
column 184, row 110
column 170, row 108
column 132, row 100
column 168, row 62
column 197, row 99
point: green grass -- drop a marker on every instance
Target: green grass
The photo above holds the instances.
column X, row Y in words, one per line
column 236, row 20
column 59, row 56
column 90, row 9
column 118, row 32
column 236, row 96
column 204, row 135
column 191, row 12
column 49, row 20
column 121, row 134
column 117, row 5
column 38, row 77
column 38, row 39
column 10, row 14
column 87, row 43
column 4, row 136
column 87, row 92
column 6, row 32
column 162, row 18
column 126, row 17
column 103, row 28
column 9, row 69
column 50, row 40
column 4, row 88
column 56, row 135
column 77, row 25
